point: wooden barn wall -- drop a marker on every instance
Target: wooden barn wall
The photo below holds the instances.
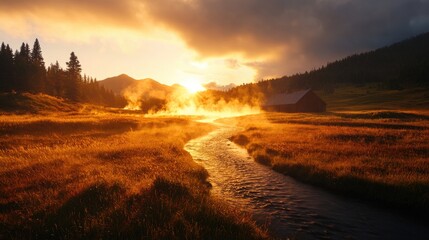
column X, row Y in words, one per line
column 310, row 103
column 280, row 108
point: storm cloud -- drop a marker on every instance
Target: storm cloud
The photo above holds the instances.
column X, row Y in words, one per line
column 292, row 35
column 275, row 37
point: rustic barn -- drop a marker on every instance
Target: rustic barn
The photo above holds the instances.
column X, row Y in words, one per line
column 300, row 101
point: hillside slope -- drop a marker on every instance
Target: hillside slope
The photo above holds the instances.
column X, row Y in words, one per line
column 401, row 65
column 351, row 98
column 396, row 76
column 34, row 103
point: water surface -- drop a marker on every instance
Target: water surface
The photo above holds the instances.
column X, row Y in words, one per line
column 290, row 208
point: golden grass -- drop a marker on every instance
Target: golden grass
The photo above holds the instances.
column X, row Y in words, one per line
column 108, row 176
column 34, row 103
column 381, row 156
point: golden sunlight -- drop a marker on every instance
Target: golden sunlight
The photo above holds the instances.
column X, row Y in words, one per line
column 192, row 86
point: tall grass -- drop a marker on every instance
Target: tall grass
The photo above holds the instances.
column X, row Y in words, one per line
column 381, row 156
column 34, row 103
column 108, row 176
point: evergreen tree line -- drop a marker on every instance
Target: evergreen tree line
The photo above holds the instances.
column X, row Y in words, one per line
column 25, row 71
column 402, row 65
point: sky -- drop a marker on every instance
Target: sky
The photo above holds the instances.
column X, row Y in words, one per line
column 204, row 41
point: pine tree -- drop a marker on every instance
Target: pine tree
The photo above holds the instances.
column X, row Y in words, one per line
column 3, row 80
column 73, row 82
column 38, row 70
column 8, row 72
column 25, row 70
column 55, row 78
column 36, row 54
column 22, row 68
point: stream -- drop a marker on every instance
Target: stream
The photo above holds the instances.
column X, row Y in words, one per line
column 287, row 207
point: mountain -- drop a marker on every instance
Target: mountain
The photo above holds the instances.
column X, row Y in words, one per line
column 149, row 88
column 146, row 94
column 123, row 82
column 117, row 84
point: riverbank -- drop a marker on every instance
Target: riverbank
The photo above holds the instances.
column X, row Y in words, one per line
column 94, row 176
column 378, row 156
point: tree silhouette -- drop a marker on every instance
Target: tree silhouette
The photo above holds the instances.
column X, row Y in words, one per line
column 25, row 71
column 401, row 65
column 38, row 70
column 36, row 54
column 55, row 78
column 73, row 78
column 22, row 68
column 6, row 68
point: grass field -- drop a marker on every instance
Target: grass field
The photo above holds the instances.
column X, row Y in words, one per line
column 22, row 103
column 104, row 176
column 381, row 156
column 370, row 97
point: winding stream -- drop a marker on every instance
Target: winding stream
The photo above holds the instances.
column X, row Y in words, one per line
column 287, row 207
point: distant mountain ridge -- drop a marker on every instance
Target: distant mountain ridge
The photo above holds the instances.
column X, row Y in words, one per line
column 389, row 77
column 120, row 83
column 147, row 94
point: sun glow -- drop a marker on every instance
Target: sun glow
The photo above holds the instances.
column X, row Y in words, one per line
column 180, row 101
column 193, row 86
column 199, row 65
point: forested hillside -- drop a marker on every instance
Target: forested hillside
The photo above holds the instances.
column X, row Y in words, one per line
column 399, row 66
column 24, row 71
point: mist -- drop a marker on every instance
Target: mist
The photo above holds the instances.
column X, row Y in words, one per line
column 180, row 102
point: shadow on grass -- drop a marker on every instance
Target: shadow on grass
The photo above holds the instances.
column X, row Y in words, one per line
column 353, row 124
column 46, row 127
column 22, row 103
column 384, row 115
column 170, row 210
column 365, row 138
column 167, row 210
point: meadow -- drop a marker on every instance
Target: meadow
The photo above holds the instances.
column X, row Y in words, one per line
column 381, row 156
column 371, row 97
column 108, row 176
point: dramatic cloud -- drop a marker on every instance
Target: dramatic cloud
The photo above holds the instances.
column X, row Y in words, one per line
column 110, row 12
column 290, row 35
column 275, row 37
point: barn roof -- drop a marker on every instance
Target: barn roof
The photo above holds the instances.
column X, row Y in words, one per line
column 286, row 98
